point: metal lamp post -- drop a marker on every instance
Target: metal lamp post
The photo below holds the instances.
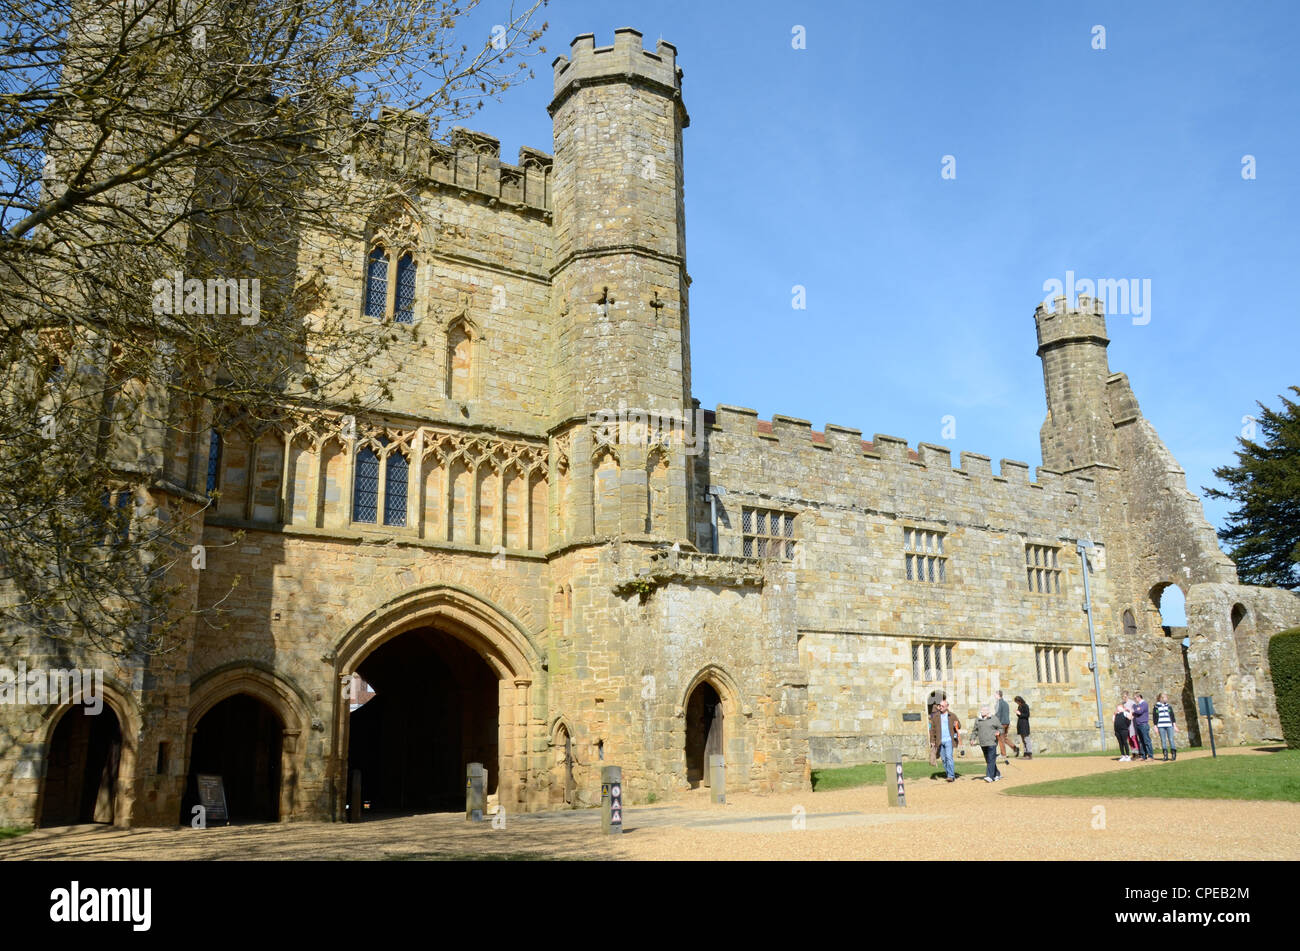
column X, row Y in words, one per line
column 1083, row 546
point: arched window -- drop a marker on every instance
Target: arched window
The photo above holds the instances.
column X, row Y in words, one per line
column 395, row 479
column 460, row 368
column 404, row 309
column 214, row 460
column 365, row 490
column 377, row 284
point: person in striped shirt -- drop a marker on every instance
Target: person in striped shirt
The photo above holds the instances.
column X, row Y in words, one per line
column 1163, row 714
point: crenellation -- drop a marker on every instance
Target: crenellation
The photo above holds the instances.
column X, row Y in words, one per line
column 1014, row 472
column 974, row 464
column 890, row 448
column 939, row 457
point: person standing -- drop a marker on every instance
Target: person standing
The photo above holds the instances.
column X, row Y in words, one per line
column 945, row 732
column 1165, row 725
column 1122, row 721
column 1132, row 733
column 1022, row 726
column 1142, row 725
column 987, row 734
column 1003, row 712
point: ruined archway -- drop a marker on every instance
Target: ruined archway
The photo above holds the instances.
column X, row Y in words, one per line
column 458, row 672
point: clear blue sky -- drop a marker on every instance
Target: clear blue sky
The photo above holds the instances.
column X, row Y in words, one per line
column 821, row 167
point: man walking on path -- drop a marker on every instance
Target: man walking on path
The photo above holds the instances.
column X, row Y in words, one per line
column 986, row 734
column 1142, row 724
column 945, row 732
column 1004, row 727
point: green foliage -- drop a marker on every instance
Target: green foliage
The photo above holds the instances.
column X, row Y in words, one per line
column 1272, row 776
column 12, row 832
column 1284, row 661
column 1263, row 531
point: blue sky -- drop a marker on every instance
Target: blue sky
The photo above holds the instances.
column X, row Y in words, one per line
column 821, row 167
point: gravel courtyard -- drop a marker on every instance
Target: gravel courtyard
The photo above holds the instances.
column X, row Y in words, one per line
column 968, row 819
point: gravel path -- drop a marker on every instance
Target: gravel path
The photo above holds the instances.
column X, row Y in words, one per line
column 968, row 819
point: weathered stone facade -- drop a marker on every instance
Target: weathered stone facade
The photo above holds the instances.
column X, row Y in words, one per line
column 548, row 558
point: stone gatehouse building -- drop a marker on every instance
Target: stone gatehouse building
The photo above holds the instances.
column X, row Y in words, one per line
column 541, row 555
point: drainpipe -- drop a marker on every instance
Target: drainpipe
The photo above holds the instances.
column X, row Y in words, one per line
column 714, row 492
column 1083, row 546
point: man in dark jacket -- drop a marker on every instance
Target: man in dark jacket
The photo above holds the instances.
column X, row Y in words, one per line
column 1142, row 724
column 945, row 733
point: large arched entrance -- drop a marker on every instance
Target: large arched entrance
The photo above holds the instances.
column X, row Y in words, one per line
column 435, row 710
column 239, row 739
column 81, row 779
column 704, row 732
column 453, row 677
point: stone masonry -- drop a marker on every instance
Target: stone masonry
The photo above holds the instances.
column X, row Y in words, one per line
column 542, row 555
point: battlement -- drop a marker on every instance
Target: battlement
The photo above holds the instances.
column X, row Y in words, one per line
column 789, row 432
column 471, row 162
column 1064, row 323
column 627, row 61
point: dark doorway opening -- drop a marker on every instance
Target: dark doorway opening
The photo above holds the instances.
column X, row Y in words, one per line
column 703, row 732
column 435, row 711
column 81, row 773
column 239, row 740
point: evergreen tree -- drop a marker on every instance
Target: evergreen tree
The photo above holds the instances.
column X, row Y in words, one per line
column 1263, row 532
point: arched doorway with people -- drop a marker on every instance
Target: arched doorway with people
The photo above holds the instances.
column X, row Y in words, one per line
column 452, row 678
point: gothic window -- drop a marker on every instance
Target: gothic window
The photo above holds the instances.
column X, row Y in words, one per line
column 396, row 472
column 365, row 493
column 404, row 312
column 377, row 284
column 214, row 460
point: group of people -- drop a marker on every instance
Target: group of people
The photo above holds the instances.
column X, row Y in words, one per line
column 992, row 733
column 1133, row 727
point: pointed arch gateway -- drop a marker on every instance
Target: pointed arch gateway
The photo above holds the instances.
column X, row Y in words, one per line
column 711, row 706
column 454, row 678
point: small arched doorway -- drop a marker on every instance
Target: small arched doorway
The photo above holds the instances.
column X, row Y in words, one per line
column 566, row 790
column 704, row 732
column 85, row 756
column 241, row 740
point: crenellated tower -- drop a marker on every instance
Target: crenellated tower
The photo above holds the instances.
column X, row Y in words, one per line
column 1072, row 344
column 619, row 281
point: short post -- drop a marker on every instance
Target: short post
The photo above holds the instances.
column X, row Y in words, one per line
column 355, row 805
column 718, row 777
column 894, row 792
column 1206, row 705
column 611, row 799
column 475, row 792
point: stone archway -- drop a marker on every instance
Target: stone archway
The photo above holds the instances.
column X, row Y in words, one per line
column 89, row 768
column 460, row 633
column 711, row 708
column 279, row 736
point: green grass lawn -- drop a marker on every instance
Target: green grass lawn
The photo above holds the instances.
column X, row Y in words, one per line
column 11, row 832
column 873, row 774
column 1273, row 776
